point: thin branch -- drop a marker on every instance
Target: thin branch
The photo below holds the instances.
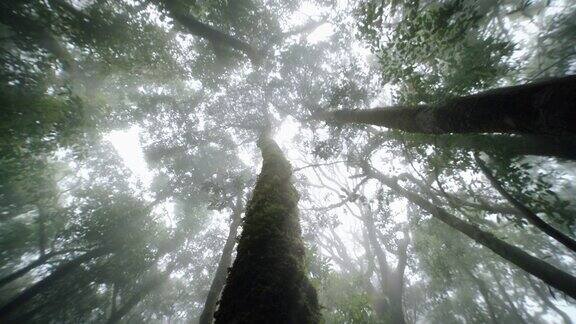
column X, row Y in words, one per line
column 317, row 165
column 528, row 214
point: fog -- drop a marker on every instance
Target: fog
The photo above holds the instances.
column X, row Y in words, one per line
column 267, row 161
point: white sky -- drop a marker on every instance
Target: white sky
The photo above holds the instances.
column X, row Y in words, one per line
column 127, row 144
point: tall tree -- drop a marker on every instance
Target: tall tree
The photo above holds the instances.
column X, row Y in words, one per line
column 268, row 280
column 146, row 288
column 392, row 278
column 222, row 270
column 553, row 276
column 543, row 108
column 48, row 282
column 217, row 38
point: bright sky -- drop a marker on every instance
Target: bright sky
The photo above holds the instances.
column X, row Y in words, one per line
column 127, row 144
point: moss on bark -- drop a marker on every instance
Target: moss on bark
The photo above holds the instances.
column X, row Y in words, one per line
column 267, row 282
column 541, row 108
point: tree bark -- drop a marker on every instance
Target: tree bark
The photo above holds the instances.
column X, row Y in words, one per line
column 267, row 282
column 219, row 280
column 543, row 108
column 553, row 276
column 528, row 214
column 58, row 274
column 214, row 36
column 113, row 299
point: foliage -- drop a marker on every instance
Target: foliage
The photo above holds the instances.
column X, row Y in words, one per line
column 434, row 51
column 75, row 74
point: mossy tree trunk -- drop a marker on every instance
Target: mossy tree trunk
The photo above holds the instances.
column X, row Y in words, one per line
column 542, row 108
column 267, row 282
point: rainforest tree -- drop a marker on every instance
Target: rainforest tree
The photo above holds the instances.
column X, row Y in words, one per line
column 432, row 145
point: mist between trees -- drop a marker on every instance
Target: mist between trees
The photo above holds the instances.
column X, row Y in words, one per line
column 267, row 161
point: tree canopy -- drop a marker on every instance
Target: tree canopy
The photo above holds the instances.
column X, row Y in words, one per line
column 256, row 161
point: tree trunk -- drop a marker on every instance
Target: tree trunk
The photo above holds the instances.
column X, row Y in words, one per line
column 27, row 28
column 202, row 30
column 529, row 215
column 397, row 283
column 219, row 280
column 113, row 299
column 551, row 275
column 42, row 239
column 46, row 283
column 137, row 297
column 267, row 282
column 513, row 310
column 542, row 295
column 543, row 108
column 484, row 292
column 368, row 220
column 33, row 265
column 153, row 283
column 503, row 144
column 392, row 280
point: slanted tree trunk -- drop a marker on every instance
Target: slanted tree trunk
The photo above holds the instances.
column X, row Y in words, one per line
column 484, row 292
column 27, row 28
column 267, row 282
column 543, row 108
column 61, row 272
column 33, row 265
column 219, row 280
column 508, row 302
column 155, row 281
column 146, row 288
column 553, row 276
column 214, row 36
column 508, row 144
column 528, row 214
